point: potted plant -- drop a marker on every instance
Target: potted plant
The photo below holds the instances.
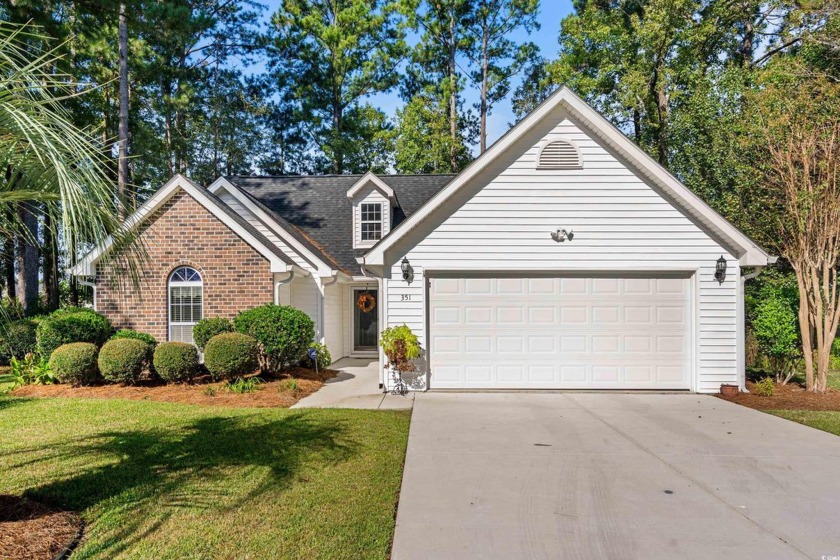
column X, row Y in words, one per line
column 401, row 347
column 728, row 390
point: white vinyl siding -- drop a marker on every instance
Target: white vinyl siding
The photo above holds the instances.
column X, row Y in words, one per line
column 369, row 195
column 620, row 224
column 333, row 320
column 305, row 295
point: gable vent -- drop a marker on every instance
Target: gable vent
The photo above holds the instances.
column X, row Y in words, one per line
column 559, row 154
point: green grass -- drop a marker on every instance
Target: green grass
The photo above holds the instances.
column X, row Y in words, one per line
column 826, row 420
column 159, row 480
column 5, row 383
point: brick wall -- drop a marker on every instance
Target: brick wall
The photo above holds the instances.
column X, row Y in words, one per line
column 182, row 232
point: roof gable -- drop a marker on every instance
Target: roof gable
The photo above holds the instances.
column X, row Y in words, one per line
column 565, row 104
column 370, row 179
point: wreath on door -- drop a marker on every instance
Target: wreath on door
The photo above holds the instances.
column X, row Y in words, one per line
column 366, row 303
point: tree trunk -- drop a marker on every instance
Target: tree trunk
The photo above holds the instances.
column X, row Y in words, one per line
column 27, row 260
column 73, row 281
column 337, row 149
column 483, row 103
column 124, row 198
column 805, row 329
column 453, row 95
column 50, row 264
column 9, row 266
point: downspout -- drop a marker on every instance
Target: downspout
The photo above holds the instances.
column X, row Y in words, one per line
column 92, row 286
column 279, row 283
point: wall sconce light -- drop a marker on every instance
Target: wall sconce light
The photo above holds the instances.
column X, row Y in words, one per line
column 720, row 270
column 562, row 235
column 407, row 271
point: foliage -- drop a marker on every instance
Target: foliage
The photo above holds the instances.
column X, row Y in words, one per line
column 19, row 338
column 130, row 333
column 290, row 385
column 230, row 355
column 72, row 324
column 123, row 360
column 775, row 328
column 835, row 348
column 242, row 385
column 209, row 327
column 31, row 370
column 75, row 363
column 401, row 346
column 323, row 358
column 333, row 54
column 765, row 387
column 284, row 333
column 176, row 361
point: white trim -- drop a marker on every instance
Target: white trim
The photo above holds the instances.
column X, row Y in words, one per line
column 370, row 284
column 87, row 266
column 169, row 285
column 369, row 177
column 553, row 110
column 324, row 269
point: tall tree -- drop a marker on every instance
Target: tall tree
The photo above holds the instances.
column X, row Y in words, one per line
column 333, row 54
column 123, row 195
column 496, row 57
column 423, row 142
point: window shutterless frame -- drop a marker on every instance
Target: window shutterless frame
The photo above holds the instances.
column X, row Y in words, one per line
column 185, row 303
column 371, row 221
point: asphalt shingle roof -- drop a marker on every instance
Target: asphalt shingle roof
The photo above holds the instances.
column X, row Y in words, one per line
column 318, row 207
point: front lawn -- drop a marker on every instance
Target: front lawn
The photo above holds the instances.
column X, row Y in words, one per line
column 160, row 480
column 826, row 420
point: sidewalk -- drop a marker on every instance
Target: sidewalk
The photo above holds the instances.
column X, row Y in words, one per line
column 356, row 386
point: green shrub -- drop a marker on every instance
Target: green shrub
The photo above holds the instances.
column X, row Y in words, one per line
column 75, row 363
column 400, row 346
column 765, row 387
column 776, row 331
column 207, row 328
column 136, row 335
column 231, row 355
column 122, row 360
column 31, row 370
column 283, row 333
column 176, row 361
column 290, row 385
column 20, row 338
column 835, row 348
column 72, row 324
column 242, row 385
column 323, row 356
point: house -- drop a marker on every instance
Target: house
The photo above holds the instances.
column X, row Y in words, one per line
column 563, row 257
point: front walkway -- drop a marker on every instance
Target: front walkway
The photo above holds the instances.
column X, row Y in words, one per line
column 596, row 475
column 356, row 386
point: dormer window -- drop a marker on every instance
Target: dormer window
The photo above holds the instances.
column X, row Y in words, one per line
column 371, row 221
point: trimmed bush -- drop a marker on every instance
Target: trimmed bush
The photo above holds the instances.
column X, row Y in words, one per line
column 284, row 333
column 176, row 361
column 207, row 328
column 136, row 335
column 75, row 363
column 20, row 338
column 122, row 360
column 323, row 356
column 776, row 330
column 72, row 324
column 230, row 355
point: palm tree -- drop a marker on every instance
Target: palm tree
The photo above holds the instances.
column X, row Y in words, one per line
column 48, row 165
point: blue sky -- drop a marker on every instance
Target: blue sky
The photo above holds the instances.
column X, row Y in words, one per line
column 551, row 12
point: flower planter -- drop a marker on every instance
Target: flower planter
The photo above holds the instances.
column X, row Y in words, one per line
column 728, row 390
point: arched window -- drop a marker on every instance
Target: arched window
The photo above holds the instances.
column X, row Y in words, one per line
column 559, row 154
column 186, row 298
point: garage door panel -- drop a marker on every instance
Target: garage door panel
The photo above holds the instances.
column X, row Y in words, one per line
column 560, row 333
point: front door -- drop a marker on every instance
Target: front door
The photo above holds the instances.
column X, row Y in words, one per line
column 365, row 322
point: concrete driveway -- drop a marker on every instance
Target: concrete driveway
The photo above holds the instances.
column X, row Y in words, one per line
column 592, row 476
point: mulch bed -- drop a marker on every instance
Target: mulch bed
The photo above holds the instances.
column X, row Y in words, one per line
column 34, row 531
column 273, row 393
column 788, row 397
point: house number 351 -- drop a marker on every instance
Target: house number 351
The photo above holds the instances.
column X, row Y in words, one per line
column 406, row 297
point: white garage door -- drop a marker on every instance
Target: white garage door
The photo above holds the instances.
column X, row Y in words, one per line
column 542, row 333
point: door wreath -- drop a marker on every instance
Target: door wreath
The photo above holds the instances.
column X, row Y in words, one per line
column 366, row 303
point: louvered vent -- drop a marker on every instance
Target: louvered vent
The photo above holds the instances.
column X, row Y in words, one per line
column 559, row 155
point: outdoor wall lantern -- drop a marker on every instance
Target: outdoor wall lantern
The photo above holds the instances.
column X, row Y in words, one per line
column 407, row 271
column 562, row 235
column 720, row 270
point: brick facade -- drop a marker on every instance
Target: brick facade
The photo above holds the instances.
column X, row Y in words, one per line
column 183, row 232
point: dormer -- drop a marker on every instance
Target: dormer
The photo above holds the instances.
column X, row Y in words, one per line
column 372, row 202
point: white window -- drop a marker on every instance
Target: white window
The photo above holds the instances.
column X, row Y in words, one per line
column 371, row 221
column 186, row 298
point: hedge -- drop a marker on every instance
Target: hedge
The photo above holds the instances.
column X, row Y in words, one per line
column 75, row 363
column 176, row 361
column 122, row 360
column 136, row 335
column 207, row 328
column 229, row 355
column 72, row 324
column 20, row 338
column 284, row 333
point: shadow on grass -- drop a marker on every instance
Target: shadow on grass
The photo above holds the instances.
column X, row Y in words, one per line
column 146, row 476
